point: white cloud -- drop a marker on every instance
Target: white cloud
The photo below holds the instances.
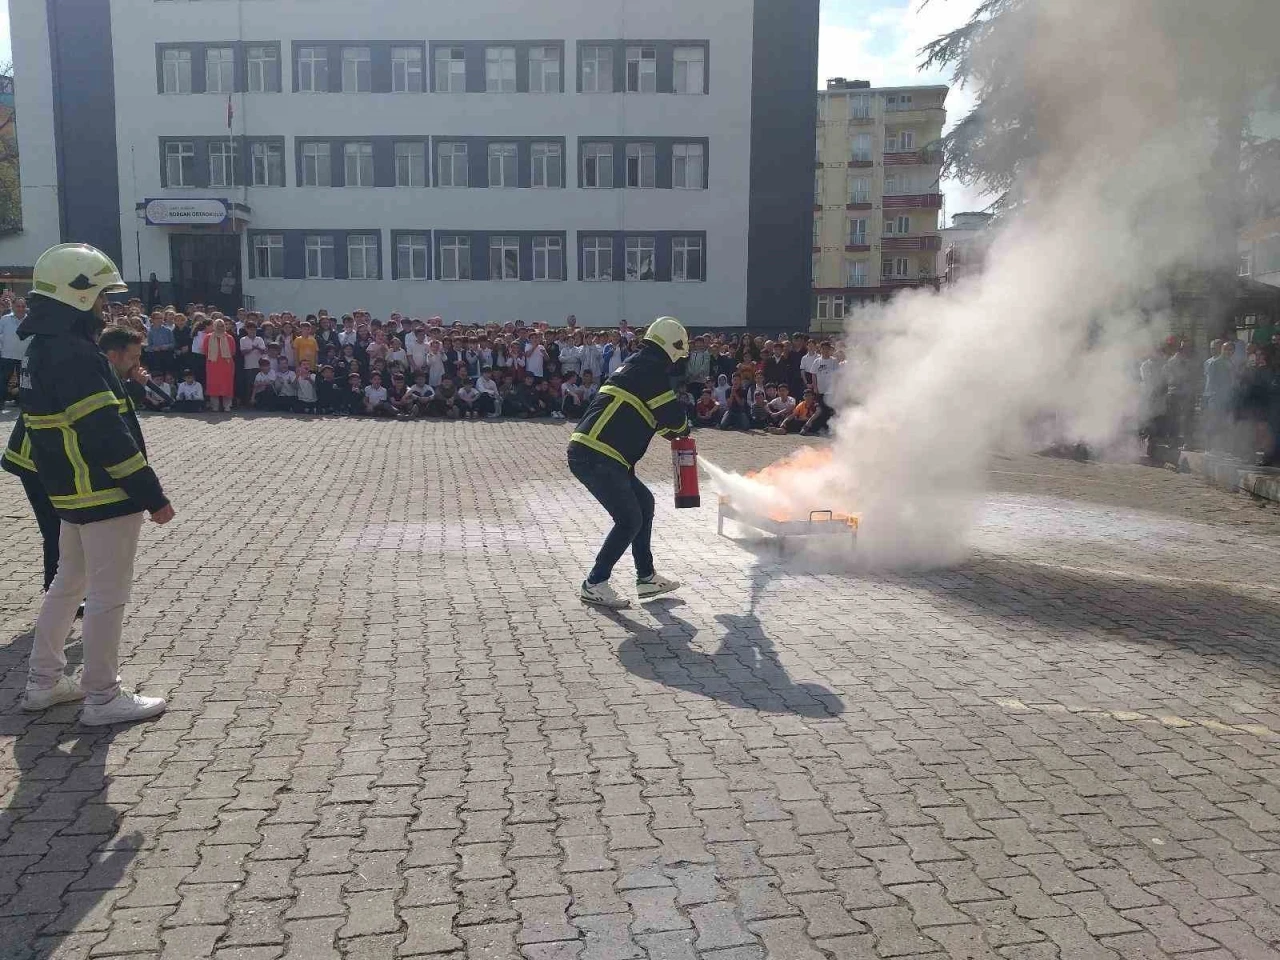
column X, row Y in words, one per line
column 883, row 46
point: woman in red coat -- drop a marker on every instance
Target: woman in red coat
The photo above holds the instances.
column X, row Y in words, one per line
column 220, row 369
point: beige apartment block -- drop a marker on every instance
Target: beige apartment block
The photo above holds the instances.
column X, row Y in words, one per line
column 876, row 194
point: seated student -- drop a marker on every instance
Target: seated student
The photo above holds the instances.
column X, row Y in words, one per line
column 509, row 396
column 328, row 392
column 398, row 395
column 467, row 397
column 799, row 416
column 782, row 405
column 706, row 411
column 306, row 382
column 190, row 394
column 353, row 400
column 685, row 399
column 489, row 402
column 168, row 388
column 421, row 395
column 446, row 403
column 543, row 403
column 376, row 403
column 759, row 408
column 737, row 414
column 264, row 387
column 590, row 387
column 286, row 388
column 571, row 406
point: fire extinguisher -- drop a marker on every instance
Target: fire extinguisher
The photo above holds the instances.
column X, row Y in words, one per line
column 684, row 463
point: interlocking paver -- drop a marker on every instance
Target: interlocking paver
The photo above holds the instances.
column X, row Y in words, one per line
column 1064, row 746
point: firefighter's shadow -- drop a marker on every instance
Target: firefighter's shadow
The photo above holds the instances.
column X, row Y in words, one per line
column 744, row 671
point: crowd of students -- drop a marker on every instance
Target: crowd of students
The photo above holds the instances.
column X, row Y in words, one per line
column 407, row 368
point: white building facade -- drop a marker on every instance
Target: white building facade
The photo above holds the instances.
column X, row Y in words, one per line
column 484, row 161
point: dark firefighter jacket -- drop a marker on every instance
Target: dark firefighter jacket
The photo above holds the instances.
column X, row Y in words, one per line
column 634, row 404
column 78, row 431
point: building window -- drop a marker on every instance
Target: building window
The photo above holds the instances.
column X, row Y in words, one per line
column 411, row 256
column 597, row 165
column 268, row 256
column 357, row 73
column 1245, row 268
column 451, row 70
column 219, row 70
column 504, row 258
column 690, row 70
column 544, row 69
column 319, row 257
column 268, row 164
column 859, row 190
column 642, row 166
column 642, row 70
column 687, row 261
column 899, row 142
column 452, row 169
column 815, row 270
column 502, row 165
column 860, row 107
column 897, row 101
column 597, row 258
column 817, row 229
column 831, row 307
column 176, row 71
column 597, row 69
column 547, row 161
column 897, row 226
column 858, row 232
column 860, row 147
column 313, row 70
column 406, row 69
column 263, row 66
column 855, row 273
column 224, row 163
column 688, row 166
column 548, row 258
column 362, row 257
column 896, row 268
column 817, row 186
column 640, row 252
column 500, row 69
column 358, row 166
column 411, row 165
column 316, row 165
column 179, row 163
column 455, row 258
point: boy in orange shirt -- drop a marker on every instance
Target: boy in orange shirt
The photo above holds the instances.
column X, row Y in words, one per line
column 305, row 348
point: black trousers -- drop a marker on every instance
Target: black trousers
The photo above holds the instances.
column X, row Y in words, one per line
column 47, row 520
column 630, row 505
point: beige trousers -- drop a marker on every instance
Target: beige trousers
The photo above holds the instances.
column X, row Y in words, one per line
column 95, row 565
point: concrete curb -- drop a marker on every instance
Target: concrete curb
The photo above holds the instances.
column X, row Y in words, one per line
column 1263, row 482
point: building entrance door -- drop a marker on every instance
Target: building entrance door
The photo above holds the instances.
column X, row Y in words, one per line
column 200, row 264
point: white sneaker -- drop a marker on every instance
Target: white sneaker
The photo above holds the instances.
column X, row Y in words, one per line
column 556, row 414
column 65, row 690
column 603, row 595
column 127, row 707
column 655, row 586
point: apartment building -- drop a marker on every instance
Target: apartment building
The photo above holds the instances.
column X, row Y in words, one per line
column 480, row 161
column 876, row 194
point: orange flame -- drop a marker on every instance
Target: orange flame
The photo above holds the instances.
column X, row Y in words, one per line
column 783, row 474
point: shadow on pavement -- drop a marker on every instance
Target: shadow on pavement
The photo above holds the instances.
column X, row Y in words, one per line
column 743, row 672
column 62, row 848
column 1200, row 617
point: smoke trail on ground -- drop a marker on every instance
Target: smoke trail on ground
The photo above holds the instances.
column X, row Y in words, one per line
column 1050, row 334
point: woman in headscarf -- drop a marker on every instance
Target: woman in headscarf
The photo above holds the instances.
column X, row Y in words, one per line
column 220, row 370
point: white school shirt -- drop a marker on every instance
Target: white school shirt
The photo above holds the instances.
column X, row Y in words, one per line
column 824, row 374
column 307, row 388
column 190, row 391
column 533, row 361
column 287, row 384
column 252, row 349
column 375, row 395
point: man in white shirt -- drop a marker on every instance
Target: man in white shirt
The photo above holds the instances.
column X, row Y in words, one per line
column 252, row 349
column 375, row 399
column 348, row 334
column 823, row 371
column 190, row 394
column 12, row 349
column 781, row 406
column 488, row 402
column 535, row 356
column 286, row 387
column 416, row 348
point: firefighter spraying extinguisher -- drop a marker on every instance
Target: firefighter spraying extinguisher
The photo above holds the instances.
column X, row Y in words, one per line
column 635, row 404
column 684, row 462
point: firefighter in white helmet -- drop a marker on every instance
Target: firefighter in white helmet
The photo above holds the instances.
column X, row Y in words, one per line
column 614, row 433
column 79, row 437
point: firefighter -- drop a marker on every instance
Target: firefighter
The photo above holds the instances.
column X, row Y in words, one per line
column 79, row 434
column 634, row 404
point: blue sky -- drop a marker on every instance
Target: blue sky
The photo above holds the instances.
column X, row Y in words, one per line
column 876, row 40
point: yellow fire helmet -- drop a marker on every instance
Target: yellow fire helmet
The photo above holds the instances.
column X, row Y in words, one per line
column 74, row 274
column 670, row 334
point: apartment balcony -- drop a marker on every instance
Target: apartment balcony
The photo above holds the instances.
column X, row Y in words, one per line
column 905, row 283
column 918, row 201
column 925, row 242
column 912, row 157
column 857, row 244
column 861, row 162
column 934, row 114
column 861, row 119
column 859, row 201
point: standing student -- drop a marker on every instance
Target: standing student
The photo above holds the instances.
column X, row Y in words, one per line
column 12, row 347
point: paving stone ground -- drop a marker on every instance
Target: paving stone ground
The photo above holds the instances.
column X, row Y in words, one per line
column 396, row 733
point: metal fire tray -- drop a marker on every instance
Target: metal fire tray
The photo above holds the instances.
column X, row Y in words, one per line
column 819, row 523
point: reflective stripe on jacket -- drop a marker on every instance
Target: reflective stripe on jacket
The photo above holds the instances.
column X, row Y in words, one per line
column 631, row 407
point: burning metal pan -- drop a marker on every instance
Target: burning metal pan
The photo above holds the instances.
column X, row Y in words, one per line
column 824, row 524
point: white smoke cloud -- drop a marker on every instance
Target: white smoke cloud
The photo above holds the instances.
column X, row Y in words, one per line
column 1048, row 337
